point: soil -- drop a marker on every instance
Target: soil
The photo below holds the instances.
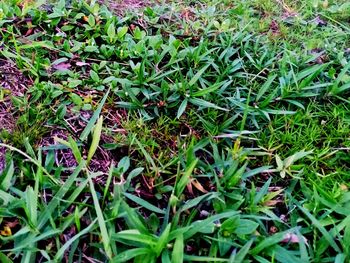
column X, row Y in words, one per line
column 121, row 6
column 12, row 83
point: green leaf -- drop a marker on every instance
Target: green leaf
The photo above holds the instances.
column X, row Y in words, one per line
column 165, row 257
column 255, row 171
column 111, row 32
column 91, row 20
column 243, row 252
column 101, row 222
column 73, row 83
column 185, row 178
column 246, row 227
column 7, row 176
column 295, row 157
column 94, row 118
column 6, row 198
column 60, row 253
column 124, row 164
column 145, row 153
column 198, row 75
column 73, row 145
column 31, row 159
column 178, row 251
column 263, row 191
column 192, row 258
column 279, row 162
column 133, row 220
column 342, row 74
column 133, row 174
column 4, row 258
column 340, row 258
column 196, row 201
column 33, row 239
column 337, row 90
column 144, row 203
column 284, row 255
column 208, row 90
column 269, row 241
column 206, row 104
column 49, row 210
column 130, row 254
column 29, row 148
column 207, row 225
column 265, row 87
column 182, row 108
column 94, row 76
column 108, row 183
column 77, row 100
column 163, row 240
column 133, row 235
column 122, row 31
column 310, row 71
column 32, row 205
column 346, row 238
column 95, row 139
column 316, row 223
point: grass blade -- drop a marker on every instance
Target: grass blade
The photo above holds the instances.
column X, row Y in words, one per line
column 178, row 251
column 319, row 226
column 182, row 108
column 134, row 235
column 100, row 219
column 163, row 240
column 144, row 203
column 198, row 75
column 60, row 252
column 95, row 139
column 130, row 254
column 7, row 177
column 243, row 252
column 94, row 118
column 192, row 258
column 45, row 216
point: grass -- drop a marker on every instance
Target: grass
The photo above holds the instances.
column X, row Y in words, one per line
column 191, row 131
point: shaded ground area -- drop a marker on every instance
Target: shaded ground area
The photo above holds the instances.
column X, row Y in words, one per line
column 121, row 6
column 12, row 83
column 101, row 161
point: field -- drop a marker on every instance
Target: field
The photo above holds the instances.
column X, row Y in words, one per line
column 175, row 131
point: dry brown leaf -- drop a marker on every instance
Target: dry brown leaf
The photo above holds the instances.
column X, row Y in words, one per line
column 272, row 203
column 62, row 66
column 6, row 231
column 189, row 188
column 198, row 186
column 293, row 238
column 343, row 187
column 81, row 63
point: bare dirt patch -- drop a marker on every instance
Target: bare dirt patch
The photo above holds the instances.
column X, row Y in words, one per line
column 12, row 83
column 121, row 6
column 12, row 78
column 102, row 159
